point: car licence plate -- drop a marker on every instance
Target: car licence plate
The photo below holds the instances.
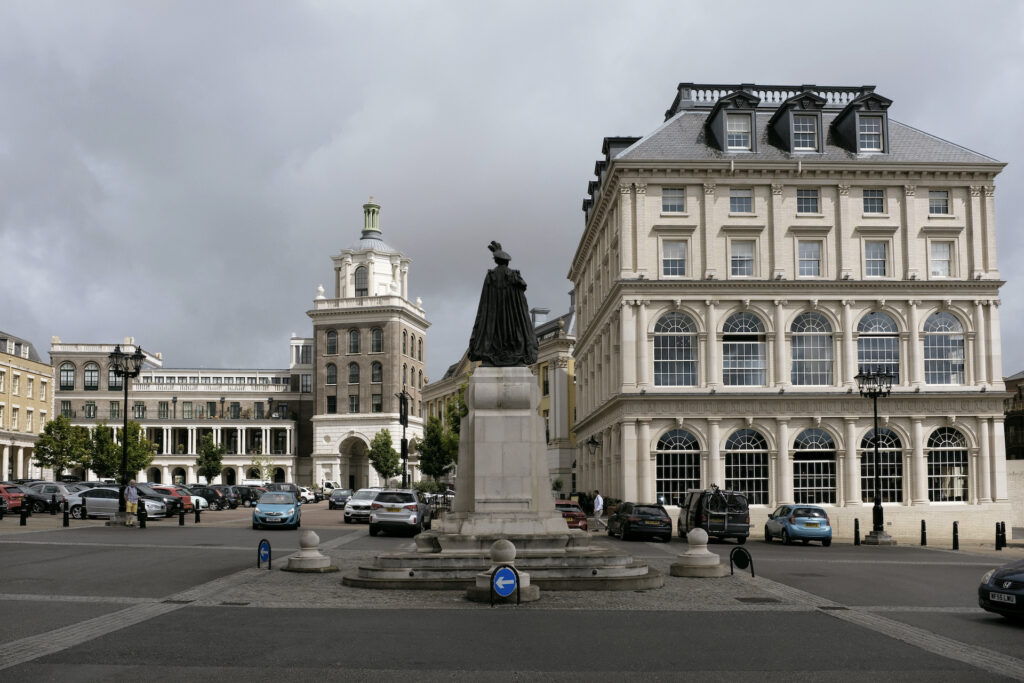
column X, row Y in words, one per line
column 1003, row 597
column 811, row 524
column 393, row 509
column 651, row 522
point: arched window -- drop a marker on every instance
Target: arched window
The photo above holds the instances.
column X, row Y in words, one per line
column 332, row 373
column 677, row 466
column 353, row 341
column 675, row 351
column 376, row 373
column 91, row 375
column 377, row 340
column 114, row 380
column 878, row 345
column 67, row 377
column 744, row 353
column 421, row 379
column 332, row 342
column 746, row 465
column 362, row 280
column 943, row 349
column 353, row 373
column 814, row 467
column 812, row 350
column 405, row 373
column 947, row 466
column 890, row 467
column 405, row 343
column 419, row 343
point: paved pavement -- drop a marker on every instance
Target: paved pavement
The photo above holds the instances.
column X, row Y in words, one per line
column 104, row 603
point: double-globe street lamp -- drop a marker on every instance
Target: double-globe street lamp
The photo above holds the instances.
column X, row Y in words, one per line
column 874, row 385
column 126, row 366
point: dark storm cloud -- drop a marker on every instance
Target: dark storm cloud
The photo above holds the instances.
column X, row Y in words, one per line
column 182, row 171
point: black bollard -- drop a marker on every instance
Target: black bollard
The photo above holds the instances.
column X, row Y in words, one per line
column 53, row 504
column 924, row 534
column 24, row 514
column 197, row 514
column 85, row 511
column 856, row 532
column 956, row 535
column 142, row 515
column 67, row 522
column 1001, row 534
column 181, row 516
column 998, row 547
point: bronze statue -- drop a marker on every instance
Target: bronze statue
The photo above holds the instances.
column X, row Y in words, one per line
column 503, row 333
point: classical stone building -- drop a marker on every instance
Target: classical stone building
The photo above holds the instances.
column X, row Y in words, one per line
column 740, row 265
column 369, row 345
column 26, row 403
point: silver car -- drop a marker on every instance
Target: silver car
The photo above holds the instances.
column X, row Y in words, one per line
column 357, row 509
column 399, row 510
column 103, row 502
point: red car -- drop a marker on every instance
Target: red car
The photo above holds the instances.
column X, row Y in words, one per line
column 13, row 497
column 573, row 514
column 186, row 500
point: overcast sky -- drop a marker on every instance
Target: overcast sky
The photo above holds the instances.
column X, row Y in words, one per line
column 182, row 172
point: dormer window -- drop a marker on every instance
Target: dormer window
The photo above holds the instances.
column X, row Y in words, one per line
column 805, row 133
column 869, row 133
column 738, row 131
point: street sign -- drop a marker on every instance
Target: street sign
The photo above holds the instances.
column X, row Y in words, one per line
column 263, row 553
column 504, row 581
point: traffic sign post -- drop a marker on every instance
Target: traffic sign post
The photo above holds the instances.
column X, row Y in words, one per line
column 504, row 582
column 263, row 553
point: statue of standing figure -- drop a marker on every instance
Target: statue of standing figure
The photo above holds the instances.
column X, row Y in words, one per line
column 503, row 334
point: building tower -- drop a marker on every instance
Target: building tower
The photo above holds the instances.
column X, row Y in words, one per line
column 368, row 345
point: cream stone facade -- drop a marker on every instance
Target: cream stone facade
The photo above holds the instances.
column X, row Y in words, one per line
column 743, row 262
column 369, row 344
column 26, row 403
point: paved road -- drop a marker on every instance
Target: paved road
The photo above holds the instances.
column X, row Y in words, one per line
column 169, row 603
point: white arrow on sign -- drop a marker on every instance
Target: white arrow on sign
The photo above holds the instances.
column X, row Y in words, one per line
column 502, row 581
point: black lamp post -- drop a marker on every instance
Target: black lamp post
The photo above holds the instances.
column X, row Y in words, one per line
column 403, row 418
column 875, row 384
column 126, row 366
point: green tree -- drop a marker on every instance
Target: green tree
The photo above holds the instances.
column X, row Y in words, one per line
column 104, row 452
column 140, row 454
column 435, row 449
column 62, row 445
column 454, row 410
column 263, row 464
column 211, row 458
column 384, row 457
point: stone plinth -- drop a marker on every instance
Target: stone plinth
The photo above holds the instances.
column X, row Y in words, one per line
column 503, row 552
column 698, row 561
column 878, row 538
column 309, row 558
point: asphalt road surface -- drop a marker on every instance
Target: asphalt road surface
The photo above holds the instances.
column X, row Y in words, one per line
column 172, row 603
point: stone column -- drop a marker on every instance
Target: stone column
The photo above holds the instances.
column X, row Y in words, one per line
column 994, row 352
column 984, row 462
column 998, row 451
column 5, row 462
column 628, row 342
column 241, row 439
column 975, row 227
column 405, row 283
column 165, row 474
column 920, row 469
column 371, row 280
column 626, row 231
column 646, row 489
column 849, row 349
column 642, row 366
column 851, row 493
column 916, row 361
column 909, row 221
column 707, row 218
column 991, row 265
column 19, row 463
column 714, row 372
column 981, row 348
column 639, row 228
column 627, row 478
column 785, row 473
column 715, row 465
column 781, row 376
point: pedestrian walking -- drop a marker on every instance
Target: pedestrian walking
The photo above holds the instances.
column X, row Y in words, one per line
column 598, row 510
column 131, row 502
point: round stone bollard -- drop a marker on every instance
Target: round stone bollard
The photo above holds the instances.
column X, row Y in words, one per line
column 309, row 558
column 698, row 561
column 503, row 553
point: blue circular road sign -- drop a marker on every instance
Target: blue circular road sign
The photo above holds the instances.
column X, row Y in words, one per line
column 504, row 581
column 264, row 550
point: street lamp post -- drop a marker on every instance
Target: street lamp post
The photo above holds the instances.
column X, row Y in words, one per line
column 875, row 384
column 126, row 366
column 403, row 418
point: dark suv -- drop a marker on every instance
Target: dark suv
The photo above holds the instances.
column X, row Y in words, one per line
column 723, row 514
column 172, row 503
column 230, row 494
column 216, row 499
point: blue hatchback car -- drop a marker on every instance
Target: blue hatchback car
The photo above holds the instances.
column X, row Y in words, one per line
column 277, row 509
column 799, row 523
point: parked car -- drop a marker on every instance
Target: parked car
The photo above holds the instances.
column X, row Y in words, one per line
column 171, row 502
column 307, row 495
column 185, row 498
column 329, row 486
column 246, row 496
column 49, row 489
column 277, row 509
column 230, row 494
column 338, row 499
column 198, row 501
column 640, row 519
column 36, row 501
column 4, row 507
column 799, row 523
column 216, row 499
column 103, row 502
column 1002, row 590
column 723, row 514
column 284, row 486
column 12, row 495
column 574, row 515
column 357, row 509
column 399, row 510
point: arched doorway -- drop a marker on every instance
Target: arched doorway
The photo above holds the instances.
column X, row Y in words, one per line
column 153, row 475
column 227, row 476
column 355, row 463
column 278, row 475
column 178, row 476
column 253, row 473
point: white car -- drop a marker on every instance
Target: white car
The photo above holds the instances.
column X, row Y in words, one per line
column 306, row 495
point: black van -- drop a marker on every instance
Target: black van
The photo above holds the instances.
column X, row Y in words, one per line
column 723, row 514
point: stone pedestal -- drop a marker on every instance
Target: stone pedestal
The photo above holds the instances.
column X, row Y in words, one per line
column 698, row 561
column 309, row 557
column 503, row 552
column 878, row 538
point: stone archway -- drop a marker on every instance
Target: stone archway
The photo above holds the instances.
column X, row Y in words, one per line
column 356, row 472
column 178, row 476
column 278, row 475
column 153, row 475
column 227, row 476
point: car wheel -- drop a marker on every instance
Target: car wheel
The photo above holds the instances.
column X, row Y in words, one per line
column 767, row 534
column 430, row 523
column 255, row 525
column 374, row 530
column 667, row 538
column 297, row 524
column 38, row 506
column 418, row 529
column 76, row 512
column 740, row 540
column 624, row 532
column 245, row 504
column 785, row 537
column 826, row 542
column 348, row 521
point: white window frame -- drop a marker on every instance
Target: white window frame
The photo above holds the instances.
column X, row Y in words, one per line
column 887, row 243
column 862, row 133
column 753, row 257
column 939, row 196
column 741, row 193
column 800, row 259
column 799, row 119
column 864, row 200
column 950, row 259
column 809, row 193
column 665, row 191
column 685, row 242
column 739, row 130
